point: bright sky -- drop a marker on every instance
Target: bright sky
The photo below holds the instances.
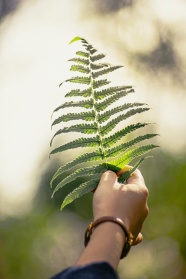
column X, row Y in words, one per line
column 33, row 51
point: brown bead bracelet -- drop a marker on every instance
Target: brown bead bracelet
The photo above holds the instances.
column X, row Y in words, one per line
column 129, row 236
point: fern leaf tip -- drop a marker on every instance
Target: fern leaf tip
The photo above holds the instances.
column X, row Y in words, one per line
column 50, row 155
column 52, row 194
column 62, row 83
column 52, row 115
column 75, row 39
column 62, row 206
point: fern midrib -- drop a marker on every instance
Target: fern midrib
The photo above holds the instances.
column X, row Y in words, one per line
column 96, row 114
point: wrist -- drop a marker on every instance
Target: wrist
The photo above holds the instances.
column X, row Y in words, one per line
column 126, row 221
column 110, row 230
column 106, row 244
column 118, row 224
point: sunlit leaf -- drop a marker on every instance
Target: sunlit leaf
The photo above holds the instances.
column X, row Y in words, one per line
column 95, row 110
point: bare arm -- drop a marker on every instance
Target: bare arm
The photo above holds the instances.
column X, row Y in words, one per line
column 126, row 201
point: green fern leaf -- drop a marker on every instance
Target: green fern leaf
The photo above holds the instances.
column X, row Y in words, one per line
column 80, row 80
column 97, row 57
column 126, row 175
column 98, row 66
column 75, row 39
column 99, row 95
column 88, row 104
column 83, row 53
column 106, row 115
column 84, row 158
column 81, row 128
column 115, row 151
column 80, row 93
column 88, row 116
column 90, row 48
column 105, row 71
column 80, row 61
column 111, row 124
column 109, row 141
column 94, row 119
column 82, row 142
column 83, row 189
column 100, row 106
column 83, row 172
column 80, row 69
column 99, row 83
column 127, row 157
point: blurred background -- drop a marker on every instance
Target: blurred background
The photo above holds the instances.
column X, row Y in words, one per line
column 37, row 240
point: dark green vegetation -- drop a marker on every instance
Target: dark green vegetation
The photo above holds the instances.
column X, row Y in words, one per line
column 97, row 120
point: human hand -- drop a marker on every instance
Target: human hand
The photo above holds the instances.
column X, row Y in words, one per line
column 126, row 201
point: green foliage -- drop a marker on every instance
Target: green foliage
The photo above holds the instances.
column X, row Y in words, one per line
column 97, row 120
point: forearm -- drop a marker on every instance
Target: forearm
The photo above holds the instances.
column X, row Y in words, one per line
column 106, row 244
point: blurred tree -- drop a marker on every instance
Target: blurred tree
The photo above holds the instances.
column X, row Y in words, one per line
column 8, row 6
column 163, row 57
column 110, row 6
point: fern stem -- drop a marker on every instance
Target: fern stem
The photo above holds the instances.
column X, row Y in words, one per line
column 96, row 114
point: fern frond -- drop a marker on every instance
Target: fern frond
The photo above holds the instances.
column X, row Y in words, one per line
column 99, row 83
column 111, row 124
column 82, row 142
column 126, row 175
column 90, row 48
column 80, row 61
column 105, row 71
column 97, row 57
column 106, row 115
column 99, row 95
column 83, row 189
column 80, row 69
column 84, row 158
column 94, row 119
column 115, row 151
column 83, row 128
column 109, row 141
column 102, row 105
column 127, row 157
column 80, row 93
column 77, row 38
column 83, row 53
column 88, row 104
column 98, row 66
column 83, row 172
column 88, row 116
column 81, row 80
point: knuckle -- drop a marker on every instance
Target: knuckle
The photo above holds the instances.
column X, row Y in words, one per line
column 146, row 211
column 146, row 192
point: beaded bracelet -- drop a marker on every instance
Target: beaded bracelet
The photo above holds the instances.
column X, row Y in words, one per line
column 129, row 236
